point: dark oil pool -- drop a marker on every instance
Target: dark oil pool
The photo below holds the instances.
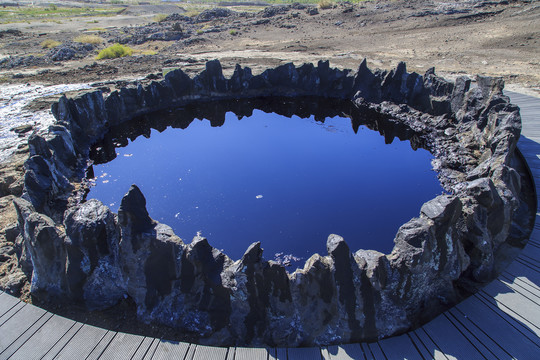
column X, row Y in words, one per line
column 286, row 182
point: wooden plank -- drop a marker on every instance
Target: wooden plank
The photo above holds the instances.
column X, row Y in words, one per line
column 421, row 347
column 513, row 302
column 487, row 347
column 535, row 235
column 44, row 339
column 122, row 347
column 512, row 320
column 144, row 348
column 209, row 353
column 523, row 285
column 281, row 354
column 88, row 344
column 343, row 352
column 526, row 260
column 244, row 353
column 272, row 354
column 309, row 353
column 525, row 282
column 517, row 268
column 231, row 353
column 367, row 351
column 19, row 327
column 431, row 347
column 7, row 302
column 17, row 343
column 55, row 350
column 531, row 257
column 190, row 351
column 447, row 336
column 170, row 350
column 82, row 343
column 376, row 351
column 400, row 347
column 7, row 315
column 152, row 350
column 493, row 330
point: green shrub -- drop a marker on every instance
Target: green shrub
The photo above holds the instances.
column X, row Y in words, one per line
column 233, row 32
column 49, row 44
column 114, row 51
column 89, row 39
column 325, row 4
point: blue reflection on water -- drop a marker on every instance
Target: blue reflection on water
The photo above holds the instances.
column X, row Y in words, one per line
column 287, row 182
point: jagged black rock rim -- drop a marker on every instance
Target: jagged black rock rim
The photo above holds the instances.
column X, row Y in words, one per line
column 83, row 252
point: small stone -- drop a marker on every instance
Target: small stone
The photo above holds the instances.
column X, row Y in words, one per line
column 22, row 129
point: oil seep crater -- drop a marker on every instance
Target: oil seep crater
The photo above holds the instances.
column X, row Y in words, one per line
column 241, row 174
column 81, row 251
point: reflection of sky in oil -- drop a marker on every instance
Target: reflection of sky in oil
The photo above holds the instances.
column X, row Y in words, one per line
column 287, row 182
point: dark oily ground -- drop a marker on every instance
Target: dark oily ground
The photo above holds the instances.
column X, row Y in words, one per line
column 495, row 38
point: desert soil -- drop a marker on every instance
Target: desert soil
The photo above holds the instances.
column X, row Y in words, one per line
column 493, row 38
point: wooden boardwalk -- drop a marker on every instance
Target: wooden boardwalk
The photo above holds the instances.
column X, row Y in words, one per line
column 502, row 321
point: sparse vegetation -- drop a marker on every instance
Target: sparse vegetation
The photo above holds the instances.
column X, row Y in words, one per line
column 12, row 14
column 192, row 13
column 159, row 18
column 148, row 52
column 233, row 32
column 114, row 51
column 325, row 4
column 89, row 39
column 49, row 44
column 200, row 32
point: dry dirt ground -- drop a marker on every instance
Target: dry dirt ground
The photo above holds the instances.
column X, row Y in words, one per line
column 495, row 38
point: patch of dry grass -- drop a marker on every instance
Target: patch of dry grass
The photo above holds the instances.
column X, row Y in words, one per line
column 89, row 39
column 50, row 43
column 325, row 4
column 147, row 52
column 159, row 18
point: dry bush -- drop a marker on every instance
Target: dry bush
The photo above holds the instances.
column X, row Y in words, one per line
column 325, row 4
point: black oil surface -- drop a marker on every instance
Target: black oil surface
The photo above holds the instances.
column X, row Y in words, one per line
column 287, row 182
